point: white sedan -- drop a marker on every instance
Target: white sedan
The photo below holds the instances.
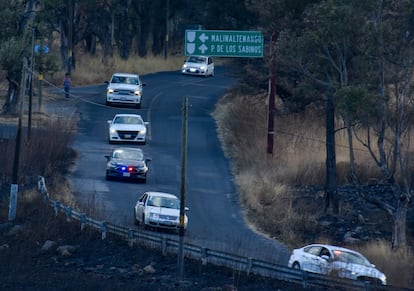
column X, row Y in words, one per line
column 159, row 210
column 127, row 128
column 332, row 260
column 124, row 88
column 198, row 65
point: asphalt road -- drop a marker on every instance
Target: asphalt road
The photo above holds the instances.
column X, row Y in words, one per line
column 215, row 218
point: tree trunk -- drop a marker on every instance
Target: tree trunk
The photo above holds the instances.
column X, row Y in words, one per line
column 400, row 222
column 124, row 32
column 331, row 199
column 10, row 106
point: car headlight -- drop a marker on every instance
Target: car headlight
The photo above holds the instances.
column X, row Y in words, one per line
column 154, row 215
column 184, row 66
column 137, row 93
column 110, row 91
column 112, row 130
column 203, row 68
column 112, row 165
column 142, row 131
column 383, row 279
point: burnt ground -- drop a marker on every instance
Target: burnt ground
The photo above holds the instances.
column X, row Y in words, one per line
column 80, row 260
column 40, row 252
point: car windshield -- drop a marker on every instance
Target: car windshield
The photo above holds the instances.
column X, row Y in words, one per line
column 128, row 155
column 125, row 80
column 128, row 120
column 350, row 258
column 163, row 202
column 199, row 60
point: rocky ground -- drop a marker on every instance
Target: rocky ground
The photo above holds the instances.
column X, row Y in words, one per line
column 40, row 253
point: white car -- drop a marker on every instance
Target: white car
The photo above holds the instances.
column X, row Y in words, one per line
column 159, row 210
column 336, row 261
column 198, row 65
column 124, row 88
column 127, row 128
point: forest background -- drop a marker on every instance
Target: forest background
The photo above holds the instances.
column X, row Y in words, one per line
column 343, row 68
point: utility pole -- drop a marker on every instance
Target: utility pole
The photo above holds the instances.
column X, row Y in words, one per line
column 70, row 36
column 272, row 96
column 14, row 187
column 32, row 59
column 166, row 30
column 183, row 189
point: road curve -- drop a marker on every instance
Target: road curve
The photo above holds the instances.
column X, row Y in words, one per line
column 215, row 218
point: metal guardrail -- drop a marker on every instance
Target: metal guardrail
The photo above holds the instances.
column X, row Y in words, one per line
column 206, row 255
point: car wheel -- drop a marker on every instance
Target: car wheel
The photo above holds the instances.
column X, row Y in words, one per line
column 333, row 273
column 136, row 222
column 296, row 266
column 212, row 73
column 143, row 222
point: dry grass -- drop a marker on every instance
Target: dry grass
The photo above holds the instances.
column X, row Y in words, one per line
column 91, row 70
column 45, row 152
column 397, row 265
column 266, row 182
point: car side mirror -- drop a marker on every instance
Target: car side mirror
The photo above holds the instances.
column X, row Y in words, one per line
column 186, row 208
column 109, row 121
column 144, row 84
column 146, row 122
column 107, row 157
column 148, row 160
column 325, row 257
column 106, row 82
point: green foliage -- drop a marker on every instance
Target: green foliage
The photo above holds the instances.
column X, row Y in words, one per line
column 11, row 56
column 356, row 103
column 10, row 17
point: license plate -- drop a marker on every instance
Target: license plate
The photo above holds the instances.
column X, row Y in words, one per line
column 127, row 136
column 192, row 70
column 126, row 174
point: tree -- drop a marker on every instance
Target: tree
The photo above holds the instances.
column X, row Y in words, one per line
column 17, row 20
column 321, row 49
column 385, row 115
column 362, row 59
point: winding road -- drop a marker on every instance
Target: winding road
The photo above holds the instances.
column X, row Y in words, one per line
column 215, row 218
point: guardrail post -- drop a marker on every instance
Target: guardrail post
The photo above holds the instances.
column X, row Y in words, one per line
column 46, row 199
column 304, row 279
column 164, row 246
column 41, row 185
column 203, row 256
column 56, row 207
column 68, row 213
column 130, row 237
column 83, row 221
column 103, row 229
column 249, row 265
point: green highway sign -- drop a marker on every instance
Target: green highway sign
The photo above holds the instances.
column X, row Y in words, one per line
column 224, row 43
